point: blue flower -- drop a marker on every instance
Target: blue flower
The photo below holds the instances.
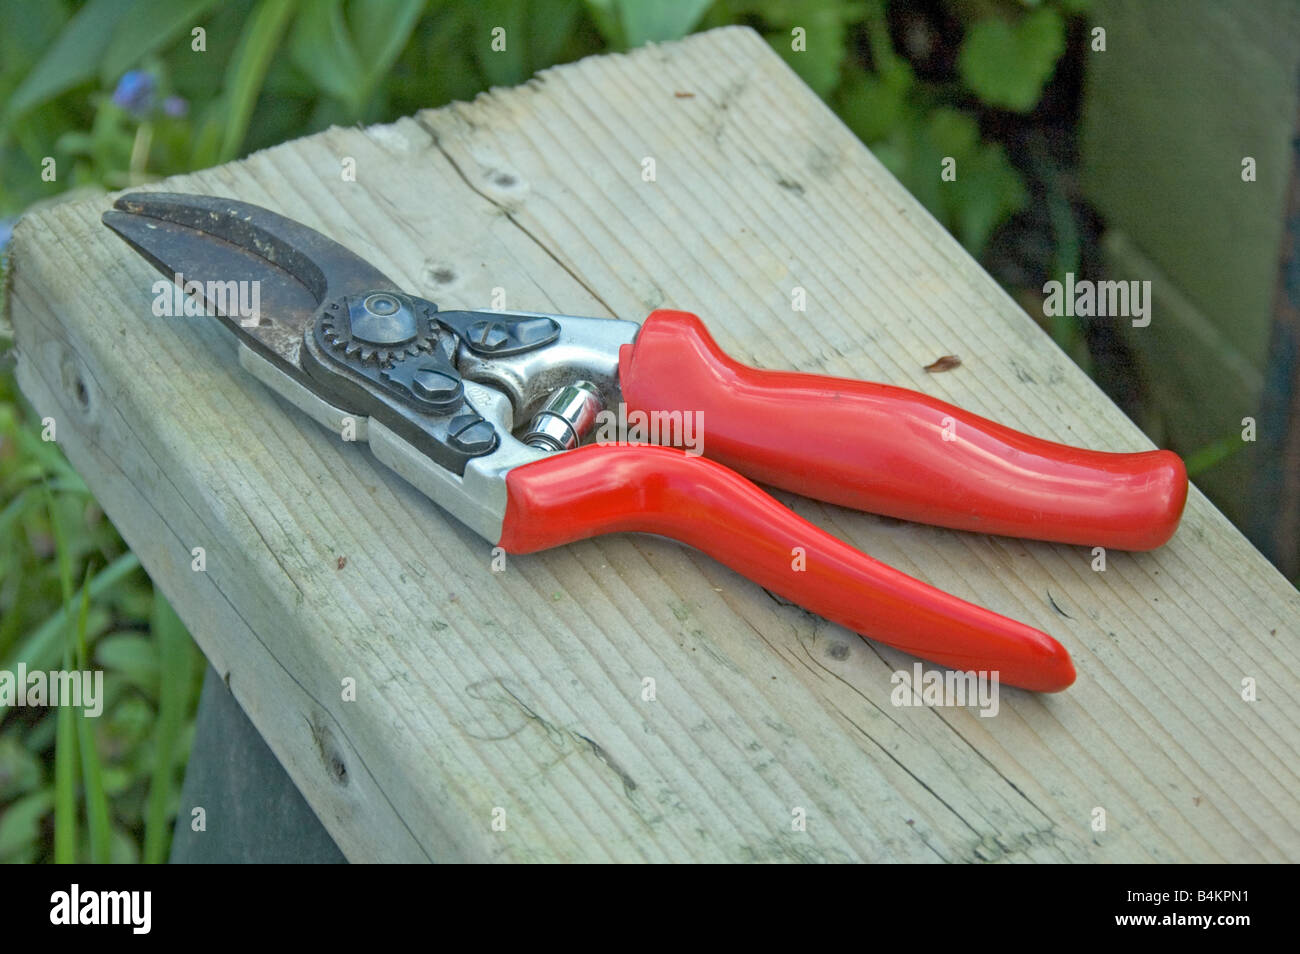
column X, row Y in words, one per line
column 135, row 92
column 6, row 232
column 175, row 106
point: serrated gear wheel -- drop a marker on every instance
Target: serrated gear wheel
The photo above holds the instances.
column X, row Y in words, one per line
column 336, row 328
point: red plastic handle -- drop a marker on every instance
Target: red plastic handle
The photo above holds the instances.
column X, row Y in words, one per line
column 892, row 451
column 609, row 489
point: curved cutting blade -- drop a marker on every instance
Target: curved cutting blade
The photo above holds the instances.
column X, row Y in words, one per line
column 203, row 243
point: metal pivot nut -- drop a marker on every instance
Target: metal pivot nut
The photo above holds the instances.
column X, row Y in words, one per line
column 567, row 417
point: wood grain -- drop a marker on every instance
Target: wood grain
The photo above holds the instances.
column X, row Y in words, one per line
column 523, row 690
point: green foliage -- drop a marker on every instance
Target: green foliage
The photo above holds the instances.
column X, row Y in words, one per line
column 535, row 34
column 826, row 27
column 147, row 27
column 274, row 69
column 270, row 70
column 914, row 126
column 986, row 189
column 174, row 665
column 257, row 45
column 73, row 58
column 1006, row 63
column 1007, row 55
column 75, row 787
column 629, row 23
column 1213, row 454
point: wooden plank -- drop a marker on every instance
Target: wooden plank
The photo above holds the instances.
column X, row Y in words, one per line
column 523, row 690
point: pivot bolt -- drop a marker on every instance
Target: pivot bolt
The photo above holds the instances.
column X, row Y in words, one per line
column 470, row 434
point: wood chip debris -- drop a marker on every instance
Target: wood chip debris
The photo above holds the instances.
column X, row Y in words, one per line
column 946, row 363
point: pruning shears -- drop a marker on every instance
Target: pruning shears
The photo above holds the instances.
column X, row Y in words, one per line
column 494, row 415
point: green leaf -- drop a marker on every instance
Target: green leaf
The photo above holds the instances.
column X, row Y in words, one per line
column 14, row 511
column 48, row 455
column 1007, row 64
column 987, row 188
column 65, row 739
column 825, row 36
column 381, row 29
column 132, row 655
column 646, row 21
column 73, row 58
column 118, row 779
column 198, row 76
column 953, row 132
column 987, row 191
column 129, row 722
column 146, row 27
column 873, row 106
column 321, row 47
column 92, row 772
column 175, row 650
column 65, row 783
column 247, row 70
column 535, row 32
column 124, row 850
column 506, row 66
column 20, row 826
column 26, row 30
column 605, row 14
column 629, row 23
column 440, row 64
column 20, row 770
column 550, row 26
column 206, row 149
column 1212, row 455
column 40, row 650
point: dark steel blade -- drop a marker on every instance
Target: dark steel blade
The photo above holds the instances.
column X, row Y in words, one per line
column 211, row 241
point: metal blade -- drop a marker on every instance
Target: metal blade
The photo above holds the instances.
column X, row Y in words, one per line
column 204, row 242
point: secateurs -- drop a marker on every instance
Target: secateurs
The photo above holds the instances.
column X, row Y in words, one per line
column 491, row 415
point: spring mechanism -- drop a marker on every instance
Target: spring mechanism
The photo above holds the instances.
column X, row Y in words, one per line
column 566, row 418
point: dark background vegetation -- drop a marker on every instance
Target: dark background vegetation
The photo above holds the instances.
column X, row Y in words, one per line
column 112, row 90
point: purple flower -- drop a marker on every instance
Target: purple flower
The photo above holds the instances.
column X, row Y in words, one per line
column 135, row 93
column 175, row 107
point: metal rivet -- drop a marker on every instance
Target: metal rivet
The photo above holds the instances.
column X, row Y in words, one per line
column 434, row 385
column 381, row 305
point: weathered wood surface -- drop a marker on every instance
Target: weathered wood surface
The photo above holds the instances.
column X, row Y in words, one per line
column 522, row 690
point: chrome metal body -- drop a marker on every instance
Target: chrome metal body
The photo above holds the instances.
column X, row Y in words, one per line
column 586, row 350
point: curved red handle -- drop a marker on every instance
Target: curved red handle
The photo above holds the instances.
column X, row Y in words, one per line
column 609, row 489
column 892, row 451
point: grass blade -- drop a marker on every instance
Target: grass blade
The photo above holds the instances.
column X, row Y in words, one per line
column 174, row 650
column 40, row 650
column 248, row 69
column 65, row 738
column 13, row 511
column 92, row 773
column 65, row 782
column 73, row 57
column 148, row 26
